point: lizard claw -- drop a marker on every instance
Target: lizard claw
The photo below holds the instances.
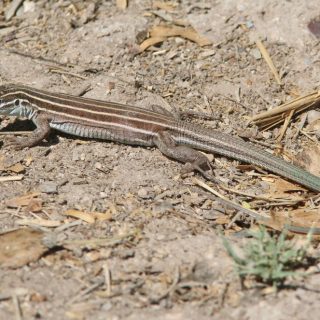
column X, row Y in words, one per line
column 191, row 167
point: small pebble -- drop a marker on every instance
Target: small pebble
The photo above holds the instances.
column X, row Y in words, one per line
column 267, row 135
column 162, row 206
column 145, row 193
column 126, row 253
column 48, row 187
column 75, row 155
column 312, row 116
column 98, row 165
column 256, row 53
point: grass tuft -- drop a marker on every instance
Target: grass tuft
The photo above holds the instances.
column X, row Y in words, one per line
column 269, row 259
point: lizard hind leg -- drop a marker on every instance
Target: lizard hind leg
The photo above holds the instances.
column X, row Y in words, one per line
column 193, row 159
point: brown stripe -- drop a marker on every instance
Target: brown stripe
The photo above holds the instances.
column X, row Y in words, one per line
column 60, row 110
column 104, row 121
column 79, row 102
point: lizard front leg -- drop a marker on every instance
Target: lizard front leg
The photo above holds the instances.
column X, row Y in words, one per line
column 42, row 131
column 194, row 160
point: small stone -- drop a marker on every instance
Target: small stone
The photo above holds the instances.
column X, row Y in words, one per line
column 98, row 165
column 145, row 193
column 249, row 24
column 206, row 53
column 29, row 6
column 75, row 155
column 267, row 135
column 211, row 215
column 312, row 116
column 162, row 206
column 48, row 187
column 256, row 53
column 126, row 253
column 103, row 195
column 107, row 306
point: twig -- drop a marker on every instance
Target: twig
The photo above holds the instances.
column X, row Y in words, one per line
column 11, row 10
column 258, row 197
column 285, row 125
column 228, row 202
column 233, row 220
column 68, row 225
column 268, row 60
column 17, row 307
column 298, row 104
column 300, row 126
column 156, row 300
column 122, row 4
column 83, row 90
column 99, row 283
column 39, row 58
column 107, row 276
column 17, row 177
column 67, row 73
column 103, row 242
column 270, row 222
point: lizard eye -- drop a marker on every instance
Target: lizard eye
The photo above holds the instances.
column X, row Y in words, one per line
column 17, row 102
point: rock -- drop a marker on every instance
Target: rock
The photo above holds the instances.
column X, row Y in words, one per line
column 48, row 187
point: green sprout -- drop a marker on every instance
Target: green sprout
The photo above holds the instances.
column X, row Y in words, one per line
column 269, row 259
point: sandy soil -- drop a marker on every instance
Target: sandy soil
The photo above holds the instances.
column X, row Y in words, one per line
column 164, row 258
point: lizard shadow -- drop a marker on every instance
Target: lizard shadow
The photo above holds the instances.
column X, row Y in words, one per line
column 19, row 125
column 25, row 126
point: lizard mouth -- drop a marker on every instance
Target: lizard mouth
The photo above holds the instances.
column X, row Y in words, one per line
column 6, row 107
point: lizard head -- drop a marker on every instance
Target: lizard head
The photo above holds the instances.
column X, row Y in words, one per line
column 10, row 103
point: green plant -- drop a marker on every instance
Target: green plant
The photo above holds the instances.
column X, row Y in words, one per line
column 269, row 259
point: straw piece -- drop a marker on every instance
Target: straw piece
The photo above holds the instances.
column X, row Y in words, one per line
column 268, row 60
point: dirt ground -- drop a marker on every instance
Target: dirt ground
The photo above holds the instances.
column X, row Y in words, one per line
column 154, row 251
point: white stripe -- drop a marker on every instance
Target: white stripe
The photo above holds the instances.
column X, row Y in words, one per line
column 90, row 103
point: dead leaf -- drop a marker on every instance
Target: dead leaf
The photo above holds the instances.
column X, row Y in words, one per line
column 221, row 220
column 2, row 163
column 309, row 159
column 315, row 127
column 314, row 27
column 20, row 247
column 167, row 6
column 305, row 217
column 161, row 32
column 100, row 216
column 176, row 31
column 150, row 42
column 39, row 222
column 89, row 217
column 28, row 160
column 17, row 177
column 282, row 189
column 38, row 297
column 35, row 205
column 21, row 201
column 298, row 221
column 85, row 216
column 16, row 168
column 122, row 4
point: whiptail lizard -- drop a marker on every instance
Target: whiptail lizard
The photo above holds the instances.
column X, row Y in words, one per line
column 136, row 126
